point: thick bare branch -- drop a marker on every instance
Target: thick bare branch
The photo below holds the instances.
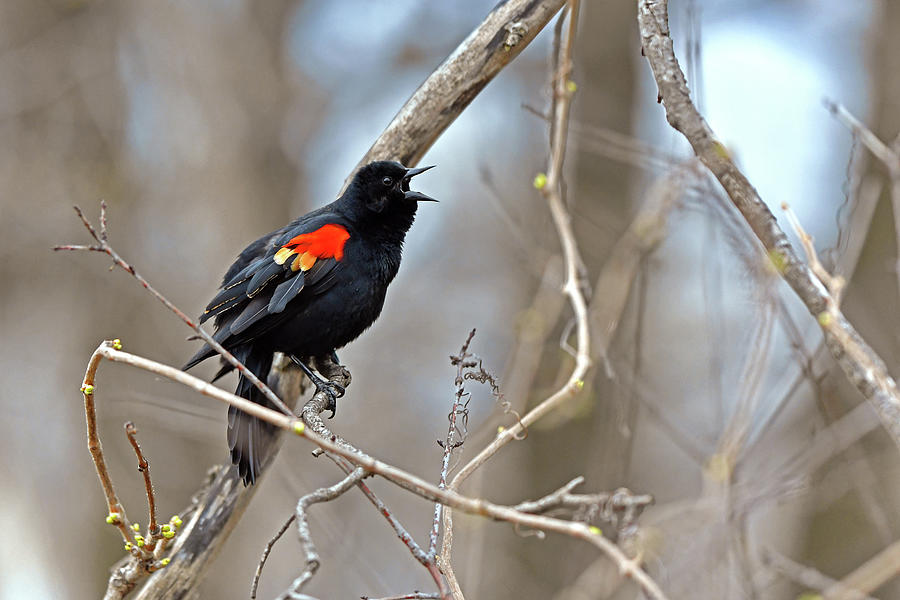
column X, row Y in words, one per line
column 503, row 34
column 863, row 367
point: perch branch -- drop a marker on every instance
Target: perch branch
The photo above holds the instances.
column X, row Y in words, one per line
column 310, row 427
column 863, row 367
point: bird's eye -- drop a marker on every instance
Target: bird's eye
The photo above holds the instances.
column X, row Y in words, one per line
column 388, row 181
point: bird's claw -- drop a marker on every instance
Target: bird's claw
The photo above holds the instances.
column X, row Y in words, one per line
column 332, row 392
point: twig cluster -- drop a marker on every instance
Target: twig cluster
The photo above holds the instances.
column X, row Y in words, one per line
column 146, row 554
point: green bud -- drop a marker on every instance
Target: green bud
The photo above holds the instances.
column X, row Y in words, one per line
column 168, row 534
column 540, row 180
column 87, row 389
column 136, row 526
column 128, row 546
column 720, row 149
column 113, row 518
column 117, row 344
column 779, row 261
column 166, row 527
column 595, row 530
column 164, row 561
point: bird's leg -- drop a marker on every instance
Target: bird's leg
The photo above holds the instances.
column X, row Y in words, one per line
column 332, row 390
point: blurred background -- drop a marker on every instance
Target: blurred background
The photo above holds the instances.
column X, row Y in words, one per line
column 205, row 124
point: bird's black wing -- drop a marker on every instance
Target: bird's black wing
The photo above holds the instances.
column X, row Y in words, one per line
column 302, row 258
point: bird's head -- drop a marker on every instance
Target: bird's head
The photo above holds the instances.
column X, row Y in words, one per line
column 383, row 188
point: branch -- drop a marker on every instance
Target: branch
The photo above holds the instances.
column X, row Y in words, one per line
column 222, row 503
column 621, row 507
column 551, row 187
column 310, row 427
column 103, row 246
column 863, row 367
column 459, row 408
column 808, row 576
column 503, row 34
column 144, row 469
column 888, row 155
column 868, row 577
column 309, row 548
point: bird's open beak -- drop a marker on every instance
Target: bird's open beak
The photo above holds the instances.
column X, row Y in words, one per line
column 413, row 172
column 417, row 196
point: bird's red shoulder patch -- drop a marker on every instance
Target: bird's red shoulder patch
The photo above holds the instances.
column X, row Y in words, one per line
column 325, row 242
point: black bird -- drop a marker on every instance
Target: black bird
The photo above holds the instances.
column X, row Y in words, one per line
column 308, row 289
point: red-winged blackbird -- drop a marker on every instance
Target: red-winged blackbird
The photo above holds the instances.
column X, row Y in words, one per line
column 308, row 289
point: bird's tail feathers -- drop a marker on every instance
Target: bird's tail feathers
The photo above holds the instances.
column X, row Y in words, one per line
column 248, row 437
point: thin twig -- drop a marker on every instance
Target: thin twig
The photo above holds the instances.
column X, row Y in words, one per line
column 411, row 596
column 451, row 443
column 265, row 555
column 104, row 247
column 834, row 284
column 571, row 286
column 116, row 511
column 622, row 508
column 889, row 155
column 426, row 560
column 309, row 548
column 144, row 468
column 551, row 188
column 807, row 576
column 867, row 577
column 311, row 418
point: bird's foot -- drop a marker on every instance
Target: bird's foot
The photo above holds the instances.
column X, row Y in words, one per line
column 332, row 390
